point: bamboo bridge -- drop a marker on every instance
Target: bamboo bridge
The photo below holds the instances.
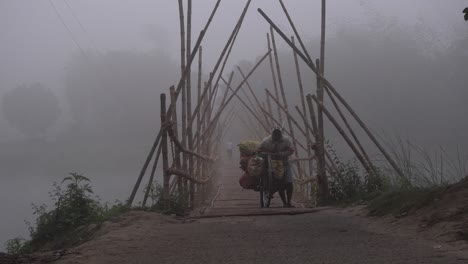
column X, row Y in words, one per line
column 190, row 153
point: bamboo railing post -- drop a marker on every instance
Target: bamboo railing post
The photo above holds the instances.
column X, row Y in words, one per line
column 184, row 91
column 153, row 170
column 273, row 75
column 321, row 177
column 200, row 64
column 189, row 102
column 177, row 153
column 321, row 131
column 323, row 188
column 330, row 166
column 166, row 174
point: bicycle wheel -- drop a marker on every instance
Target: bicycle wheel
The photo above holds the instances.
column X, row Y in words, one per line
column 265, row 197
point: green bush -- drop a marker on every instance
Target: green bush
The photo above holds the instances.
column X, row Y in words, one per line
column 74, row 207
column 18, row 246
column 350, row 184
column 177, row 202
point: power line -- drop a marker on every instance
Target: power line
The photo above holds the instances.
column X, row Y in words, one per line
column 91, row 40
column 66, row 27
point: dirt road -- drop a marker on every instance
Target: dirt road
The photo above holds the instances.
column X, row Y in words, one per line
column 326, row 236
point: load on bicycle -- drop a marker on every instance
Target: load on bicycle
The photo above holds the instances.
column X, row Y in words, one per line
column 266, row 167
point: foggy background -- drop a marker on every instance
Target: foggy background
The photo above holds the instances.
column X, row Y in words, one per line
column 96, row 68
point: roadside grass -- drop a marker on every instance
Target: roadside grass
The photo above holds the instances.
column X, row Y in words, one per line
column 426, row 174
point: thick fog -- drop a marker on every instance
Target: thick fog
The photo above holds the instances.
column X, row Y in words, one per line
column 80, row 80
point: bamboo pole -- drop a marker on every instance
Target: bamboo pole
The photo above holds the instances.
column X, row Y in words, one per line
column 226, row 91
column 174, row 128
column 158, row 137
column 288, row 115
column 273, row 74
column 296, row 33
column 287, row 132
column 267, row 120
column 153, row 170
column 252, row 93
column 311, row 130
column 189, row 101
column 252, row 104
column 320, row 139
column 228, row 54
column 233, row 33
column 283, row 96
column 372, row 172
column 182, row 66
column 333, row 89
column 270, row 110
column 322, row 180
column 247, row 107
column 166, row 176
column 218, row 114
column 194, row 52
column 320, row 93
column 302, row 96
column 344, row 135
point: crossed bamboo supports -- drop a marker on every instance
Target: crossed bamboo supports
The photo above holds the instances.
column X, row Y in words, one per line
column 192, row 154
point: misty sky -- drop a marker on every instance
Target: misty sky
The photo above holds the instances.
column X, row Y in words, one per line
column 35, row 45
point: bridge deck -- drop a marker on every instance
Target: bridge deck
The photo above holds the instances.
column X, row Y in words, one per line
column 232, row 200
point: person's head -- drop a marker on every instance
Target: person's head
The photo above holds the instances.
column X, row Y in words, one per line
column 276, row 135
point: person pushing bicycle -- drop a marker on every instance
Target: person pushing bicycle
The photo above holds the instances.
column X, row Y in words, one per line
column 281, row 148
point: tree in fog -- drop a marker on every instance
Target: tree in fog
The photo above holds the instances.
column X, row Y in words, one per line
column 116, row 94
column 31, row 109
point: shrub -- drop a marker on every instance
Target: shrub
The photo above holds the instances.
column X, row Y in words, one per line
column 18, row 246
column 74, row 207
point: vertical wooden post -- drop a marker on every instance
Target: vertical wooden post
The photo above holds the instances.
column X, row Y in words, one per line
column 189, row 102
column 166, row 174
column 322, row 180
column 184, row 91
column 198, row 130
column 176, row 135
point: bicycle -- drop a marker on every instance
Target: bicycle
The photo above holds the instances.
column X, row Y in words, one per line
column 266, row 184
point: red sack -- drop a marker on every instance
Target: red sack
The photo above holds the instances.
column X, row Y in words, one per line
column 247, row 182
